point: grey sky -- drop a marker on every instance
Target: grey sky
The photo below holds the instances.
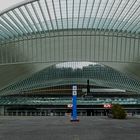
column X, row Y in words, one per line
column 75, row 65
column 6, row 3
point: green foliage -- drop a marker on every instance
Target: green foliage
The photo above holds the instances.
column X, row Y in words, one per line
column 118, row 112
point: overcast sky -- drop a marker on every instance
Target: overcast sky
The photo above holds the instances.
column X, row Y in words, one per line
column 74, row 65
column 6, row 3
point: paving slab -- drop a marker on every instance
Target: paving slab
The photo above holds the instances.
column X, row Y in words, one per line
column 60, row 128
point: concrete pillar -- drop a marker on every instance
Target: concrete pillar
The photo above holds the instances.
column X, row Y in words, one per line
column 25, row 113
column 101, row 113
column 2, row 110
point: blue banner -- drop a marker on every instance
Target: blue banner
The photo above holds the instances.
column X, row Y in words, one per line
column 74, row 103
column 74, row 107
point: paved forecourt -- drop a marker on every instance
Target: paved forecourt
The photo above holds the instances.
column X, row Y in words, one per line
column 60, row 128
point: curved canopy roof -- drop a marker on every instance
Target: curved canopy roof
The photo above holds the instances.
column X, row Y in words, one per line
column 54, row 31
column 74, row 73
column 41, row 16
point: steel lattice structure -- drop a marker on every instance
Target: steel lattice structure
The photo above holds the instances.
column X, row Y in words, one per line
column 53, row 76
column 45, row 16
column 38, row 33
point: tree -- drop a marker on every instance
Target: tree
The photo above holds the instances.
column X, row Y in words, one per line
column 118, row 112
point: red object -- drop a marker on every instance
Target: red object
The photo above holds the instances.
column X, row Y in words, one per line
column 107, row 105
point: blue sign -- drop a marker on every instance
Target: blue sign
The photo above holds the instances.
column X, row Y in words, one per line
column 74, row 103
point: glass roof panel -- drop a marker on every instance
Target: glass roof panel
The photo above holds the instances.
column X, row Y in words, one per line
column 12, row 23
column 17, row 22
column 28, row 19
column 46, row 15
column 22, row 20
column 6, row 26
column 57, row 13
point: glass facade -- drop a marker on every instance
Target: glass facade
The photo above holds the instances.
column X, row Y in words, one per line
column 36, row 34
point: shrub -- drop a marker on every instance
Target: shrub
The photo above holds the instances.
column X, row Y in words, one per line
column 118, row 112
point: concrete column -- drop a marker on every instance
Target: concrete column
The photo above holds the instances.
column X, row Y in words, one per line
column 2, row 110
column 101, row 113
column 25, row 113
